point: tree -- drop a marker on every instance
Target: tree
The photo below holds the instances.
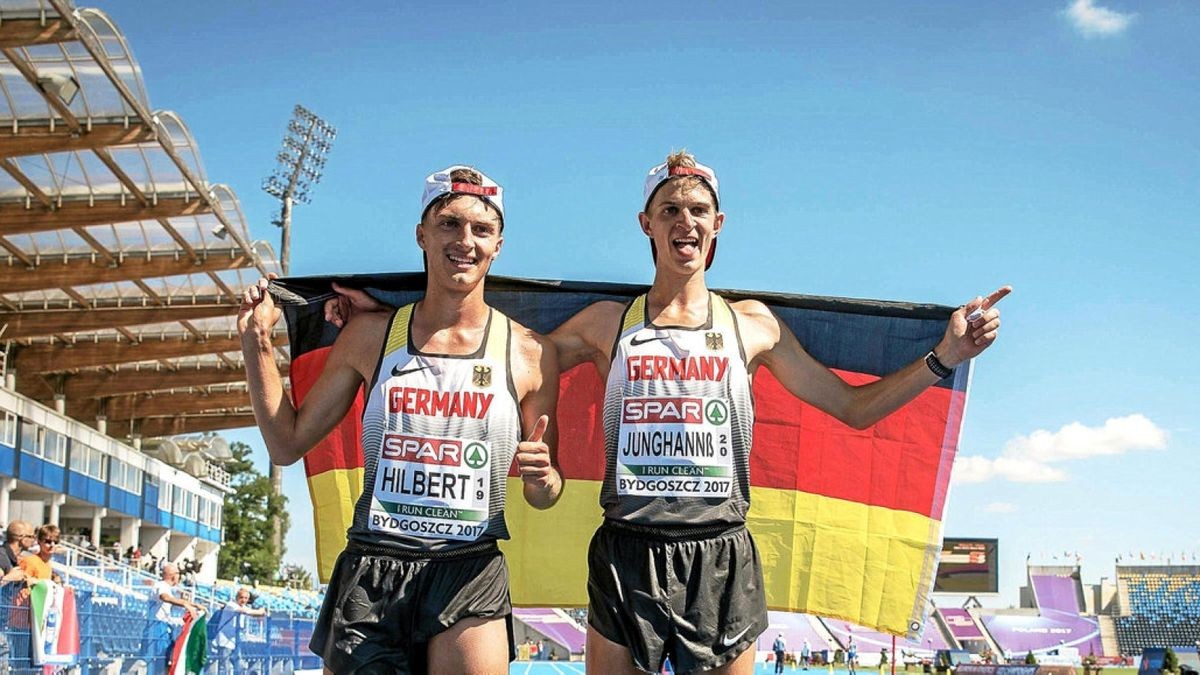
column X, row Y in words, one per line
column 1170, row 662
column 249, row 512
column 1030, row 659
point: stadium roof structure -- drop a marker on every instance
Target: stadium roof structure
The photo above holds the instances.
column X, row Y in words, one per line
column 120, row 263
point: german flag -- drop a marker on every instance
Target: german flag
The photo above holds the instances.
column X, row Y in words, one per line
column 848, row 522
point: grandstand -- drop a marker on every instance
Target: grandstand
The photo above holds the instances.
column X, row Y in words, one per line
column 118, row 267
column 1161, row 607
column 112, row 599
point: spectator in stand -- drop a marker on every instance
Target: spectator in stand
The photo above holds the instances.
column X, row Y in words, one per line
column 231, row 622
column 17, row 539
column 37, row 567
column 162, row 626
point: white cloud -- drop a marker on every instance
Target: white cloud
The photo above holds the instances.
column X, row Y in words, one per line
column 1000, row 507
column 1094, row 21
column 1028, row 459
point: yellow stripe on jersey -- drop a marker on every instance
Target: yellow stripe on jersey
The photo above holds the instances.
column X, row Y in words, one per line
column 636, row 314
column 722, row 313
column 497, row 339
column 398, row 331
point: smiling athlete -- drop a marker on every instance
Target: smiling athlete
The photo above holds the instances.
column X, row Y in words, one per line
column 450, row 384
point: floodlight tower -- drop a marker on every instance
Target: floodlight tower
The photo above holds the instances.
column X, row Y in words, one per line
column 297, row 171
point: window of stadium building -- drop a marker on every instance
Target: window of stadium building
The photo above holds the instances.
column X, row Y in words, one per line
column 88, row 461
column 164, row 498
column 55, row 447
column 8, row 432
column 127, row 477
column 96, row 464
column 31, row 438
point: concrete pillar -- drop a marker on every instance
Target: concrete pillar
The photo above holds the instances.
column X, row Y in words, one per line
column 97, row 516
column 137, row 442
column 181, row 546
column 60, row 404
column 130, row 532
column 102, row 424
column 55, row 504
column 10, row 380
column 206, row 555
column 155, row 541
column 7, row 485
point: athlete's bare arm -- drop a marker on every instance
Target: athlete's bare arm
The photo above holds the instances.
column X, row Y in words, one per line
column 535, row 375
column 589, row 336
column 770, row 343
column 289, row 433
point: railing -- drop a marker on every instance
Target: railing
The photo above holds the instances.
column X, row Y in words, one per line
column 112, row 601
column 216, row 473
column 115, row 632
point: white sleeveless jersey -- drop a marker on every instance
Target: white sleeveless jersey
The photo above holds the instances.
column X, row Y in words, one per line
column 438, row 435
column 678, row 422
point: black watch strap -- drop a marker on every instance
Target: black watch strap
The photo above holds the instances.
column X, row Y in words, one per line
column 936, row 366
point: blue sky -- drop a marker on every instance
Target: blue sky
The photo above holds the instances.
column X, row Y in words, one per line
column 875, row 150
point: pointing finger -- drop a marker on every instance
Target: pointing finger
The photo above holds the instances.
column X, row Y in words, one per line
column 539, row 429
column 996, row 296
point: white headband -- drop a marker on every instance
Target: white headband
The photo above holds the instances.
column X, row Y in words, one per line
column 661, row 173
column 439, row 183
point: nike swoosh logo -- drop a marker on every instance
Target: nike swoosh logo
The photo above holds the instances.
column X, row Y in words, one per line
column 635, row 342
column 396, row 372
column 731, row 641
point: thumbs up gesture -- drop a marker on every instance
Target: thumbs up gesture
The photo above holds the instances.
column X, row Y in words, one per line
column 542, row 481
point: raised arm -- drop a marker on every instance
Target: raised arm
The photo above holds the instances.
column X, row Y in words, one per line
column 536, row 377
column 770, row 343
column 289, row 433
column 588, row 336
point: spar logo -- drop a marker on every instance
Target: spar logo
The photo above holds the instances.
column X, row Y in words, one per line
column 476, row 455
column 440, row 451
column 674, row 410
column 716, row 413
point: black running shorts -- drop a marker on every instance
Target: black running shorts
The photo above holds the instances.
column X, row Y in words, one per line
column 382, row 609
column 692, row 594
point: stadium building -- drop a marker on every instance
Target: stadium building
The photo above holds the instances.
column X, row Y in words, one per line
column 119, row 276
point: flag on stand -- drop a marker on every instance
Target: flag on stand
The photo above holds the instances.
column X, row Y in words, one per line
column 190, row 652
column 54, row 628
column 847, row 522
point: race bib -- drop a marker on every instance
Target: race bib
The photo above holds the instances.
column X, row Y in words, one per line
column 674, row 447
column 434, row 488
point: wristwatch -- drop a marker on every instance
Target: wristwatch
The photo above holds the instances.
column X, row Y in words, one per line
column 936, row 366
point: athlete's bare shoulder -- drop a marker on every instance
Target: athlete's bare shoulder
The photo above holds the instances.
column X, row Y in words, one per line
column 360, row 342
column 534, row 363
column 589, row 335
column 601, row 312
column 759, row 327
